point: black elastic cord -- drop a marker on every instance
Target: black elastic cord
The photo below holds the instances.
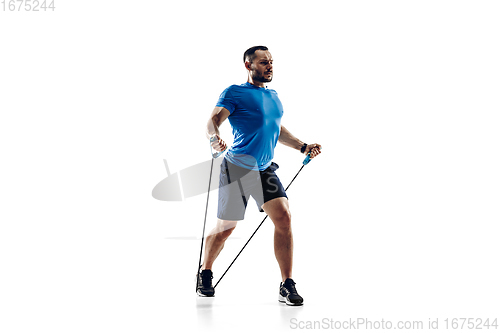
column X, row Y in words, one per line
column 255, row 231
column 204, row 223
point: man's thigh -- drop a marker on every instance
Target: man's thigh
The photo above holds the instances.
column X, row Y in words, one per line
column 271, row 187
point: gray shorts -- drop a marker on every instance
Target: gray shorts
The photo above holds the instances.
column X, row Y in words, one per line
column 237, row 185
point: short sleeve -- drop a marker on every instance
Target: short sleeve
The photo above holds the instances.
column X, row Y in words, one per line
column 227, row 100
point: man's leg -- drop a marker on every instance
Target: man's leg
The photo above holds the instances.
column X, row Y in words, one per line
column 279, row 212
column 215, row 241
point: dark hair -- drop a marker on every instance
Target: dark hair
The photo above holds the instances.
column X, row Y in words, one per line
column 249, row 54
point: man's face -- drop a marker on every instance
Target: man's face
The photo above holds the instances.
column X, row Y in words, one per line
column 261, row 69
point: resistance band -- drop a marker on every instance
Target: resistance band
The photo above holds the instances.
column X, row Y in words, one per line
column 214, row 156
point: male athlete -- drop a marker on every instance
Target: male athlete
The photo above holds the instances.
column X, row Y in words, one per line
column 254, row 112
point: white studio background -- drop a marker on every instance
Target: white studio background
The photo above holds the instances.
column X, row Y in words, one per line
column 396, row 219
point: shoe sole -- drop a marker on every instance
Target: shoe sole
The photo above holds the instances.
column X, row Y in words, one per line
column 282, row 299
column 203, row 295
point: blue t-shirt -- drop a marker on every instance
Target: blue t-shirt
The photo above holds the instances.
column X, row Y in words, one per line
column 256, row 121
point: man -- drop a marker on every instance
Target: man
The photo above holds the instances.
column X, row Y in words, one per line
column 254, row 112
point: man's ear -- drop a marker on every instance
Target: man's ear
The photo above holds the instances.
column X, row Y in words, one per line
column 248, row 65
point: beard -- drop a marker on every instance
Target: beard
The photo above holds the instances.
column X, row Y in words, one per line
column 256, row 76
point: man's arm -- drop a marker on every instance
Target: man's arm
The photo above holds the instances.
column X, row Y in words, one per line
column 219, row 114
column 288, row 139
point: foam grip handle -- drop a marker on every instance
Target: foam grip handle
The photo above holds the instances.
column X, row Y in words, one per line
column 307, row 159
column 217, row 153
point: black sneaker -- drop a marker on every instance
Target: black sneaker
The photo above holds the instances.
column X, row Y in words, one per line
column 205, row 288
column 288, row 293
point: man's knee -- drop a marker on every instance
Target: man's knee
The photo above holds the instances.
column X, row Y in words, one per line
column 225, row 228
column 283, row 219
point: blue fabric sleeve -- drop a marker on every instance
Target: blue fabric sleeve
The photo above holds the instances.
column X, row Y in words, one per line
column 227, row 100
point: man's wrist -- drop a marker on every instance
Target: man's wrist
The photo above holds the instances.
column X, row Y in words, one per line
column 303, row 148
